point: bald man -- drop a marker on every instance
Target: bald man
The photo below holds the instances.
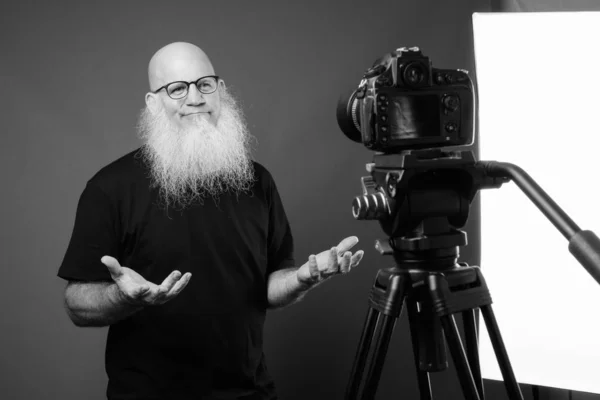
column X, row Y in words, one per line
column 181, row 246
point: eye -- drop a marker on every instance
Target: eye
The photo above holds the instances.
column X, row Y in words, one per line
column 177, row 88
column 207, row 85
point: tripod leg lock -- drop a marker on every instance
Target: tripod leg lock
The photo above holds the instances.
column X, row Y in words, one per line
column 388, row 292
column 458, row 290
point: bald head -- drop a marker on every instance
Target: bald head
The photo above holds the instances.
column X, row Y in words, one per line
column 196, row 140
column 178, row 61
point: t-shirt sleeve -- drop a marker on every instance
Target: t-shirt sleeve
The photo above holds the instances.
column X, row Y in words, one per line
column 94, row 236
column 281, row 242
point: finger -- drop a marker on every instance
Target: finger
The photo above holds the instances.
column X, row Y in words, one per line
column 179, row 285
column 113, row 266
column 313, row 268
column 345, row 263
column 346, row 244
column 356, row 258
column 170, row 281
column 332, row 265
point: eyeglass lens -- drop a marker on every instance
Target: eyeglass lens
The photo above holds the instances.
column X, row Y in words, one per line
column 178, row 90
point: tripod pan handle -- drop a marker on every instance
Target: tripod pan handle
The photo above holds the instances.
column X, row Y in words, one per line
column 585, row 246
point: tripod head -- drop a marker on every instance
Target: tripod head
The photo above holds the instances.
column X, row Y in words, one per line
column 422, row 199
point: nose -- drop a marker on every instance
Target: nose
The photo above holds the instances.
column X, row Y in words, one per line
column 194, row 97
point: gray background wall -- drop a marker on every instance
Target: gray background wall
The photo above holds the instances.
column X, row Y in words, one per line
column 73, row 76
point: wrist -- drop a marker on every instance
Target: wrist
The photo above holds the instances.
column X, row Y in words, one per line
column 119, row 298
column 304, row 284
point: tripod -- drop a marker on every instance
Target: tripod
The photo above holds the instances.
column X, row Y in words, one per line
column 434, row 288
column 421, row 198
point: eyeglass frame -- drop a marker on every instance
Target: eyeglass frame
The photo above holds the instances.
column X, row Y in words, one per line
column 188, row 86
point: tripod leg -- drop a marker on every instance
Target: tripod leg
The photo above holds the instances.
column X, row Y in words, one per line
column 361, row 354
column 387, row 299
column 510, row 381
column 465, row 377
column 472, row 343
column 379, row 352
column 416, row 337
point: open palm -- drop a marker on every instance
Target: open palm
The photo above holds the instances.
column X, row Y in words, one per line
column 135, row 289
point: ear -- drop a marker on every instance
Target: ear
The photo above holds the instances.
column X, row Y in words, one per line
column 221, row 84
column 152, row 101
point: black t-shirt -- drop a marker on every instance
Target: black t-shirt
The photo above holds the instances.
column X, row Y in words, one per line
column 207, row 342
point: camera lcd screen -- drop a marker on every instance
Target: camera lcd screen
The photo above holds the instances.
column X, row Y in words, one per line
column 413, row 116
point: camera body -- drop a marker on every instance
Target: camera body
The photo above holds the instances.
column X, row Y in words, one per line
column 402, row 103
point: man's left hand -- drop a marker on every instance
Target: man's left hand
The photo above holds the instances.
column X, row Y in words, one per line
column 337, row 260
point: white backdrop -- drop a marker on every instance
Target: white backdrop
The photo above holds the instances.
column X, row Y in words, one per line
column 539, row 96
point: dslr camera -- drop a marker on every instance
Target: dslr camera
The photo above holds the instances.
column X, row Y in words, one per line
column 402, row 103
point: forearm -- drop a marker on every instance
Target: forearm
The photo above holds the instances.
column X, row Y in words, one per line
column 96, row 303
column 284, row 288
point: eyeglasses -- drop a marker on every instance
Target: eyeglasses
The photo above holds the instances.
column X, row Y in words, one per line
column 180, row 89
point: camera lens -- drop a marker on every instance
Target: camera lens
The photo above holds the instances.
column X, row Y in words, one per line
column 348, row 116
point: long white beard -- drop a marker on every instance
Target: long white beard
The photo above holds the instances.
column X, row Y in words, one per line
column 189, row 164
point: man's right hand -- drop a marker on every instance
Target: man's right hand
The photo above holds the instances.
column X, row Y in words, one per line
column 136, row 290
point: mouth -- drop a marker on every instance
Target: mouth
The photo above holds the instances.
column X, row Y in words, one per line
column 196, row 113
